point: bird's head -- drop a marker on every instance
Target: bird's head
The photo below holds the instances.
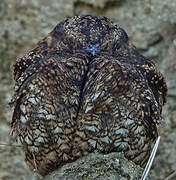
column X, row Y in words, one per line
column 90, row 33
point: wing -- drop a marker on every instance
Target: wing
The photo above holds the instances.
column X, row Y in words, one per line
column 118, row 110
column 48, row 47
column 46, row 104
column 154, row 78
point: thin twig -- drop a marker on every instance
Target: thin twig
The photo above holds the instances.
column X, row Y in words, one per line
column 150, row 161
column 170, row 176
column 1, row 144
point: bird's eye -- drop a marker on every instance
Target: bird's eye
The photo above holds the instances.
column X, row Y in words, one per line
column 123, row 35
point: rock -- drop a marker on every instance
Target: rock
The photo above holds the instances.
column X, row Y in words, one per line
column 112, row 166
column 169, row 67
column 164, row 10
column 24, row 23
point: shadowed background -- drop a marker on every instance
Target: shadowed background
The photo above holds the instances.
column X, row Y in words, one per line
column 151, row 26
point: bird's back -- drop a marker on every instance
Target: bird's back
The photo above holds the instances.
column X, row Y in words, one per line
column 86, row 89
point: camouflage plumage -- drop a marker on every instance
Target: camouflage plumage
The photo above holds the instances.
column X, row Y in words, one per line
column 83, row 89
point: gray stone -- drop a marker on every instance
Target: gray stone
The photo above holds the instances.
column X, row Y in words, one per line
column 111, row 166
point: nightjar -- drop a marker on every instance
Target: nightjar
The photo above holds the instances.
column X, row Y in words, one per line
column 85, row 89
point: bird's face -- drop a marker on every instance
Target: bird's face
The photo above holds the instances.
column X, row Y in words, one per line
column 90, row 33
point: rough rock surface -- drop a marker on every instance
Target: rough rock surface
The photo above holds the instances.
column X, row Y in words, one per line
column 151, row 27
column 97, row 166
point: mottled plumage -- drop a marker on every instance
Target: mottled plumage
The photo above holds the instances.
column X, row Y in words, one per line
column 85, row 88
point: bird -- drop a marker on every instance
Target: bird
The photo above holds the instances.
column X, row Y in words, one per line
column 85, row 88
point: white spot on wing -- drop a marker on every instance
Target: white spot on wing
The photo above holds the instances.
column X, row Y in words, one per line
column 23, row 119
column 32, row 100
column 23, row 108
column 122, row 131
column 27, row 140
column 40, row 115
column 33, row 149
column 40, row 139
column 96, row 95
column 128, row 122
column 57, row 130
column 32, row 87
column 121, row 145
column 50, row 116
column 106, row 140
column 92, row 128
column 42, row 111
column 88, row 108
